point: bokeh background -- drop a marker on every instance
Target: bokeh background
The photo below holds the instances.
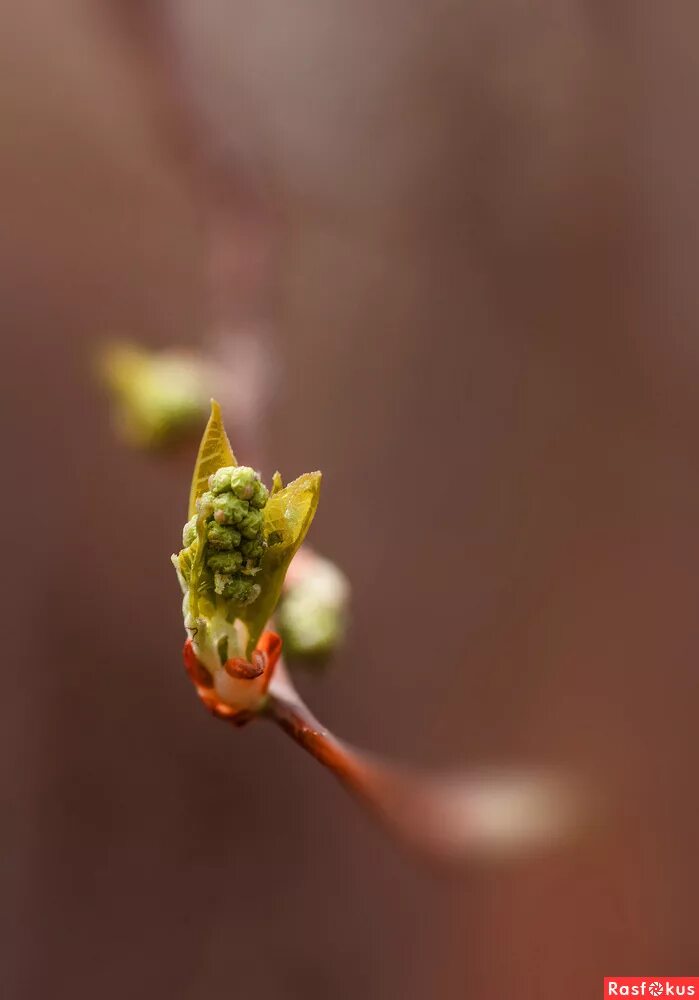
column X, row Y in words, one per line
column 479, row 226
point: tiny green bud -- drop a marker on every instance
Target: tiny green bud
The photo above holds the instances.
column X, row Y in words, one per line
column 243, row 482
column 205, row 504
column 221, row 536
column 235, row 589
column 225, row 562
column 251, row 525
column 228, row 509
column 220, row 481
column 189, row 532
column 260, row 496
column 252, row 548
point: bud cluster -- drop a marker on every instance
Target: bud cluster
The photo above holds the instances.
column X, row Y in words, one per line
column 234, row 536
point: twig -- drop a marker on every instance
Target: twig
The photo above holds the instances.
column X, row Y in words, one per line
column 447, row 817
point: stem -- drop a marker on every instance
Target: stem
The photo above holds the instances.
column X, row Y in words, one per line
column 285, row 707
column 446, row 817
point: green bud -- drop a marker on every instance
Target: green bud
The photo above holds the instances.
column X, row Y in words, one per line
column 225, row 562
column 310, row 630
column 251, row 525
column 252, row 548
column 205, row 504
column 312, row 615
column 260, row 496
column 235, row 589
column 234, row 534
column 243, row 482
column 220, row 481
column 221, row 536
column 228, row 509
column 189, row 532
column 159, row 396
column 231, row 583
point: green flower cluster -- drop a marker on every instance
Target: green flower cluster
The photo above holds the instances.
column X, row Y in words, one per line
column 233, row 525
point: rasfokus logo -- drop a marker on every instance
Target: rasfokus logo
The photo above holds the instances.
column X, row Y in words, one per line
column 651, row 986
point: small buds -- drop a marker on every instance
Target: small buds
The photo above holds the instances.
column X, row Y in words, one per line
column 243, row 481
column 260, row 496
column 205, row 504
column 223, row 537
column 235, row 542
column 225, row 562
column 228, row 509
column 252, row 549
column 251, row 525
column 189, row 532
column 234, row 588
column 240, row 480
column 231, row 587
column 220, row 480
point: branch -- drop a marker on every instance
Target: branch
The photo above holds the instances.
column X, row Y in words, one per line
column 446, row 817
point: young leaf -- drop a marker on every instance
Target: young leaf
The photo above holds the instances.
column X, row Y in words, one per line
column 288, row 516
column 214, row 452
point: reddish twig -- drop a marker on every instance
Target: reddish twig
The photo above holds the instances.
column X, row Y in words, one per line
column 446, row 817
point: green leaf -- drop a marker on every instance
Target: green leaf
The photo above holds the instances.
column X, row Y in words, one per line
column 214, row 452
column 288, row 517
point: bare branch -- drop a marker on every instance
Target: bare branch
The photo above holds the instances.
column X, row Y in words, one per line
column 447, row 817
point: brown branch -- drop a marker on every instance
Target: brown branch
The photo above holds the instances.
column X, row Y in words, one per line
column 285, row 707
column 446, row 817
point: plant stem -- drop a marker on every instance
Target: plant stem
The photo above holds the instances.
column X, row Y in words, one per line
column 444, row 817
column 285, row 707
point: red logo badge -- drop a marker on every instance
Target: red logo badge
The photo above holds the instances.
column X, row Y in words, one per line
column 651, row 986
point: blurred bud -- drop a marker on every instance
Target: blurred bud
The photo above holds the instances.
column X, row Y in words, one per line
column 312, row 614
column 159, row 397
column 503, row 814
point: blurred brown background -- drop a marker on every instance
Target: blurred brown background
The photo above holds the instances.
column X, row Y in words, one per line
column 486, row 243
